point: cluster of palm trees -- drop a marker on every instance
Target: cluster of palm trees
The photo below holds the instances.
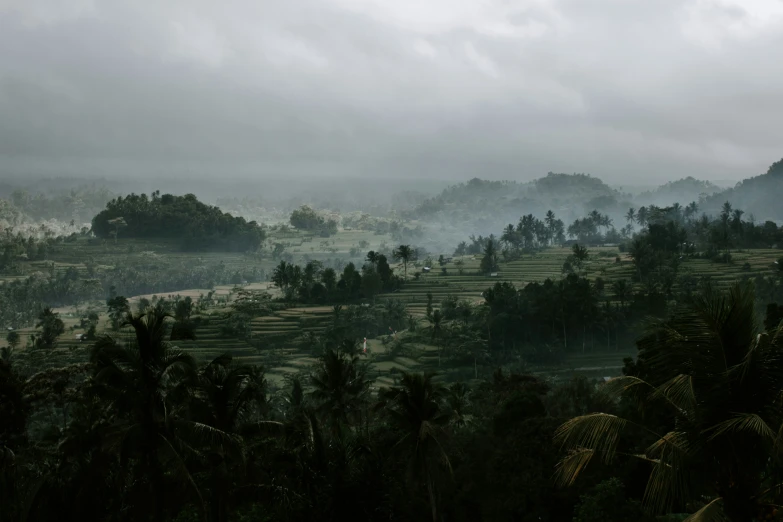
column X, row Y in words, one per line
column 589, row 227
column 653, row 213
column 532, row 232
column 153, row 430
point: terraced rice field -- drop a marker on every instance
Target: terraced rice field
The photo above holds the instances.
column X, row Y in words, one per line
column 288, row 324
column 547, row 264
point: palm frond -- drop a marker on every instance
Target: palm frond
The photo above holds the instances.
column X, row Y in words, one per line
column 596, row 431
column 744, row 422
column 569, row 468
column 200, row 434
column 711, row 512
column 674, row 440
column 274, row 427
column 679, row 392
column 668, row 479
column 618, row 386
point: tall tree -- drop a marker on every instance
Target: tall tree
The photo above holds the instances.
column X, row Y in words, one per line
column 630, row 216
column 406, row 254
column 228, row 397
column 118, row 309
column 489, row 263
column 436, row 320
column 51, row 328
column 641, row 216
column 551, row 224
column 419, row 413
column 340, row 386
column 144, row 381
column 622, row 291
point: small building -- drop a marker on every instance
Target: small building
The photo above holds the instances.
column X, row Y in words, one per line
column 425, row 269
column 493, row 274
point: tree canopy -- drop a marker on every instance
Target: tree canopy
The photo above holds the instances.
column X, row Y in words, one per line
column 197, row 225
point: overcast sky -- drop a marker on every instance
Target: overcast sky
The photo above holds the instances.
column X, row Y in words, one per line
column 632, row 91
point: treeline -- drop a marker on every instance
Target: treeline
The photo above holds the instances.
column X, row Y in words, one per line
column 542, row 322
column 315, row 283
column 198, row 227
column 672, row 235
column 529, row 234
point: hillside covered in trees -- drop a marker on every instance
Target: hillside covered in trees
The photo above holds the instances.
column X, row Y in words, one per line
column 199, row 226
column 759, row 194
column 481, row 206
column 685, row 189
column 554, row 191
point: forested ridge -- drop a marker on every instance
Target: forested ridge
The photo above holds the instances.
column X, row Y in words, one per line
column 198, row 226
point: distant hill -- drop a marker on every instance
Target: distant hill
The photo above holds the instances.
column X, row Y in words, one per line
column 682, row 191
column 759, row 195
column 484, row 207
column 567, row 193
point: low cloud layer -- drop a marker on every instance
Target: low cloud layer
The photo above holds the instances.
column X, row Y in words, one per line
column 632, row 91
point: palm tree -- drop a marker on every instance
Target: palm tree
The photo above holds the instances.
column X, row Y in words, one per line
column 641, row 216
column 551, row 224
column 677, row 211
column 736, row 221
column 228, row 396
column 418, row 410
column 145, row 381
column 691, row 209
column 509, row 235
column 405, row 254
column 725, row 212
column 622, row 291
column 605, row 222
column 630, row 217
column 340, row 387
column 436, row 320
column 721, row 380
column 458, row 400
column 489, row 262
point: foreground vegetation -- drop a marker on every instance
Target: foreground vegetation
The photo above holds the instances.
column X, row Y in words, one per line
column 150, row 434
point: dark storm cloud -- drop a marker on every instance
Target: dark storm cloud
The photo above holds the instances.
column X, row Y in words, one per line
column 626, row 90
